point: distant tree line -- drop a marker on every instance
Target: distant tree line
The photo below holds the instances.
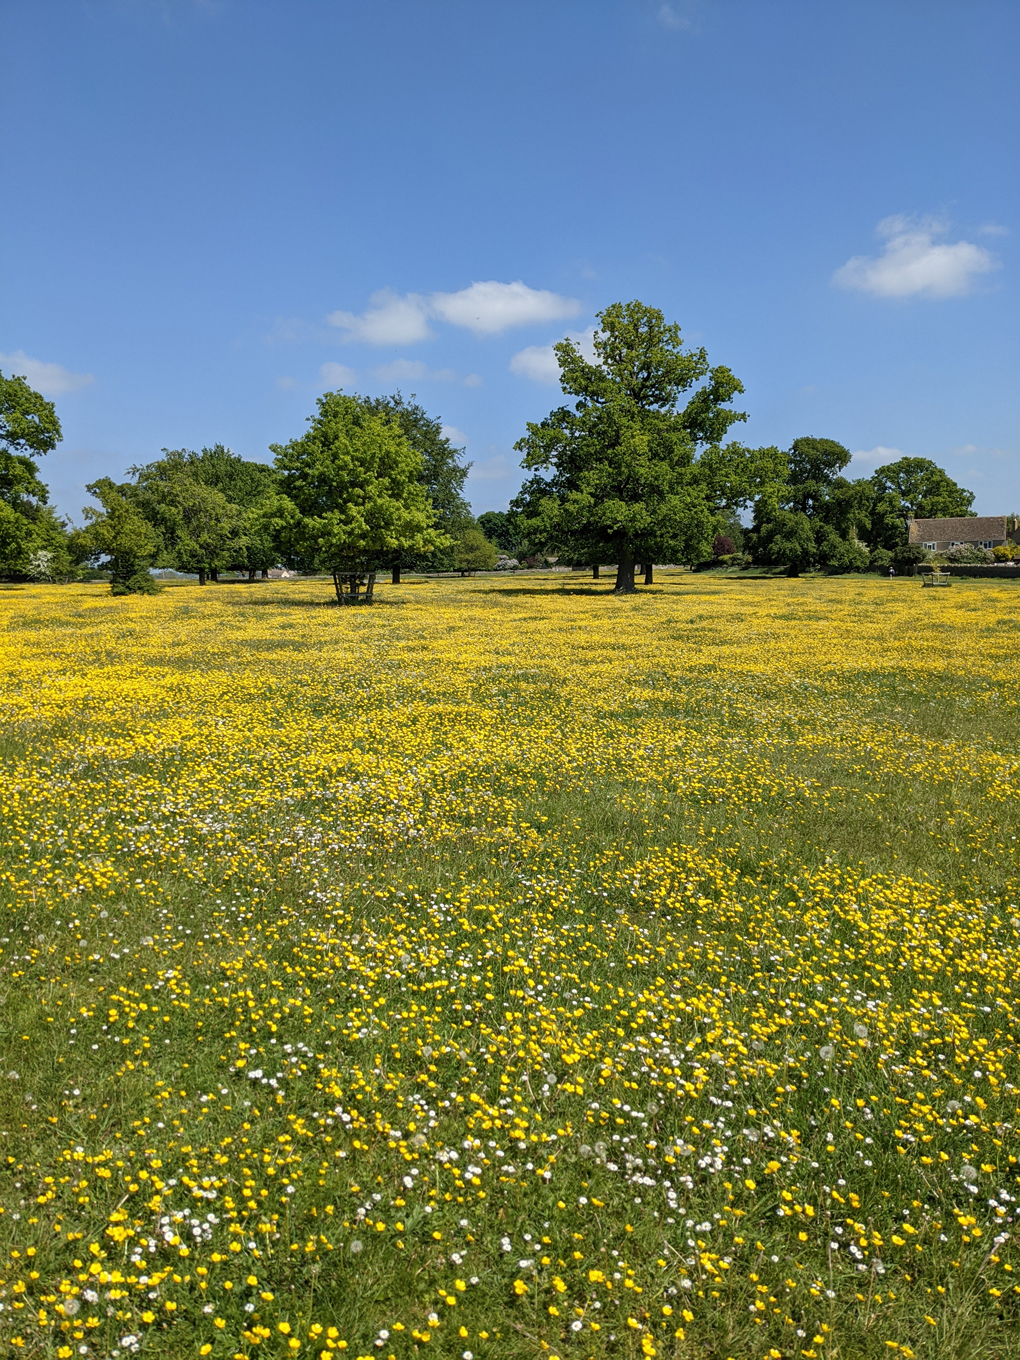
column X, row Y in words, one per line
column 372, row 485
column 634, row 467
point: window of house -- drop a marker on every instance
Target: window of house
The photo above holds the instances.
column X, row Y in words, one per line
column 985, row 543
column 956, row 545
column 929, row 546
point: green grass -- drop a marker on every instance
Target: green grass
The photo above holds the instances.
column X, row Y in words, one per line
column 460, row 843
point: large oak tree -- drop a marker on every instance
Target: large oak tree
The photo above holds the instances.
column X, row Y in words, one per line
column 627, row 473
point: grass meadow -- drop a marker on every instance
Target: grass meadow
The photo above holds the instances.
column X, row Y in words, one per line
column 511, row 970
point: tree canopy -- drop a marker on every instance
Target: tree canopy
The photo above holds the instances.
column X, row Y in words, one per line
column 443, row 473
column 241, row 481
column 354, row 482
column 913, row 487
column 121, row 536
column 507, row 529
column 629, row 474
column 28, row 422
column 197, row 528
column 33, row 541
column 474, row 552
column 817, row 516
column 252, row 488
column 813, row 469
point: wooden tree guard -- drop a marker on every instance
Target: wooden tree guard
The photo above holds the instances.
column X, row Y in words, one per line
column 350, row 584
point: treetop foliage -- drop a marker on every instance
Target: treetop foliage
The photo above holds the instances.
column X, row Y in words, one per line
column 919, row 488
column 240, row 480
column 623, row 477
column 443, row 471
column 354, row 481
column 33, row 540
column 28, row 422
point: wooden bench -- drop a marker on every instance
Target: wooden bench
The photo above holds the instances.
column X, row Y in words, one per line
column 935, row 578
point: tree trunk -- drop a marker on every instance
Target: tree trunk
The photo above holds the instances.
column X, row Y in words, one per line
column 595, row 573
column 201, row 576
column 648, row 573
column 214, row 574
column 624, row 573
column 396, row 575
column 265, row 573
column 251, row 573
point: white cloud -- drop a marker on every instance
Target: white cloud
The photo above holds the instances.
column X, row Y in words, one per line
column 981, row 451
column 287, row 329
column 670, row 18
column 473, row 380
column 389, row 320
column 50, row 379
column 994, row 229
column 493, row 469
column 879, row 455
column 539, row 362
column 485, row 308
column 456, row 437
column 914, row 264
column 337, row 375
column 413, row 370
column 489, row 308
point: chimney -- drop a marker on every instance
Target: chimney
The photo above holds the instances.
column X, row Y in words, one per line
column 910, row 519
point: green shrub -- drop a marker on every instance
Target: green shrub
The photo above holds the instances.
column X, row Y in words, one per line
column 139, row 583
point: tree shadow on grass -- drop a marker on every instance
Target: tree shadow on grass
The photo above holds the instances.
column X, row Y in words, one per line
column 276, row 602
column 545, row 590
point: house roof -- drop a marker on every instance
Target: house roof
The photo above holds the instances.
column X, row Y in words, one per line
column 963, row 529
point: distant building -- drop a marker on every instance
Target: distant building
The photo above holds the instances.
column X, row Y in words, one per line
column 280, row 573
column 978, row 531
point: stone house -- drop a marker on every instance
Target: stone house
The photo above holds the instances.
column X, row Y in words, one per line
column 979, row 531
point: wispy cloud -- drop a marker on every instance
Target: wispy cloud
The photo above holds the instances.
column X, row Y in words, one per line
column 914, row 263
column 492, row 469
column 672, row 17
column 539, row 362
column 338, row 375
column 413, row 370
column 487, row 308
column 976, row 461
column 981, row 451
column 878, row 456
column 52, row 380
column 456, row 437
column 994, row 229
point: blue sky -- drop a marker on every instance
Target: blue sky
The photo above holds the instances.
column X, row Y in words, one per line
column 214, row 210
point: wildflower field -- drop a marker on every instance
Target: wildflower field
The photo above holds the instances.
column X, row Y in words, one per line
column 510, row 970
